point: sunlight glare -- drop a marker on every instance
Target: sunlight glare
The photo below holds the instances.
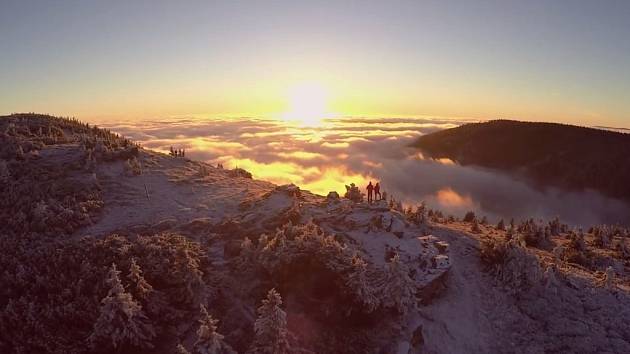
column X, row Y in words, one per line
column 308, row 104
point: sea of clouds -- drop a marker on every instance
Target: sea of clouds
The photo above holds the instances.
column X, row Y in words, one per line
column 340, row 151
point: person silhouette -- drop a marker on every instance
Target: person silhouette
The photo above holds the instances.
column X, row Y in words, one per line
column 377, row 191
column 369, row 188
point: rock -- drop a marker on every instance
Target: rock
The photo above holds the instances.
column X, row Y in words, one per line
column 380, row 205
column 417, row 339
column 290, row 189
column 442, row 247
column 433, row 286
column 441, row 262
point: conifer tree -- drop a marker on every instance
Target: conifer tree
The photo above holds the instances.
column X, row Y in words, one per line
column 501, row 225
column 271, row 335
column 209, row 341
column 609, row 278
column 180, row 349
column 400, row 287
column 138, row 286
column 359, row 282
column 19, row 153
column 121, row 321
column 5, row 174
column 475, row 227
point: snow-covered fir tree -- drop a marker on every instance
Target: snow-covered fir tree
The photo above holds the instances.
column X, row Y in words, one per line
column 359, row 282
column 5, row 174
column 501, row 225
column 550, row 278
column 622, row 246
column 271, row 335
column 475, row 227
column 247, row 249
column 353, row 193
column 399, row 288
column 180, row 349
column 121, row 321
column 609, row 278
column 209, row 341
column 555, row 226
column 520, row 268
column 19, row 153
column 509, row 234
column 470, row 216
column 138, row 286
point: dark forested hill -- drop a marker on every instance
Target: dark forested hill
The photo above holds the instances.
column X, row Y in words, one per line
column 554, row 154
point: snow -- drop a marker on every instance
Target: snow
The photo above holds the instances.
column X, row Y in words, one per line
column 170, row 189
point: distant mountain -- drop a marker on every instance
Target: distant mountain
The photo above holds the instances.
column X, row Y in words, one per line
column 566, row 156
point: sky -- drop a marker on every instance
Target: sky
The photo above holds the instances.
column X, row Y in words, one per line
column 563, row 60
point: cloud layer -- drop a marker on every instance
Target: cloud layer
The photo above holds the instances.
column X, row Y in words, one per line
column 344, row 150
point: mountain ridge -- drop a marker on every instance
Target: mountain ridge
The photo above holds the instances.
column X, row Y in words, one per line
column 566, row 156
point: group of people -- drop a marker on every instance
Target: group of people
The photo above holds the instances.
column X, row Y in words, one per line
column 373, row 191
column 178, row 152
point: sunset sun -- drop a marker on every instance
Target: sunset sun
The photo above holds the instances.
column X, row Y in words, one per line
column 308, row 104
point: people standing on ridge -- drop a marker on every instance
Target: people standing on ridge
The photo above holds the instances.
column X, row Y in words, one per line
column 369, row 188
column 377, row 191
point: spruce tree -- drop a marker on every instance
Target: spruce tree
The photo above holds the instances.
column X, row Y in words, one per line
column 209, row 341
column 121, row 321
column 271, row 335
column 5, row 174
column 400, row 288
column 138, row 286
column 360, row 283
column 501, row 225
column 475, row 227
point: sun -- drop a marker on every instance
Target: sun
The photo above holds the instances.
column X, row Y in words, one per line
column 308, row 104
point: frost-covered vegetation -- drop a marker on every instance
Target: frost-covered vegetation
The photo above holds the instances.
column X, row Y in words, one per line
column 330, row 279
column 79, row 295
column 571, row 287
column 37, row 154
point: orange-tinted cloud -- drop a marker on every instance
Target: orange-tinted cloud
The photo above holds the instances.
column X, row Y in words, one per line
column 449, row 198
